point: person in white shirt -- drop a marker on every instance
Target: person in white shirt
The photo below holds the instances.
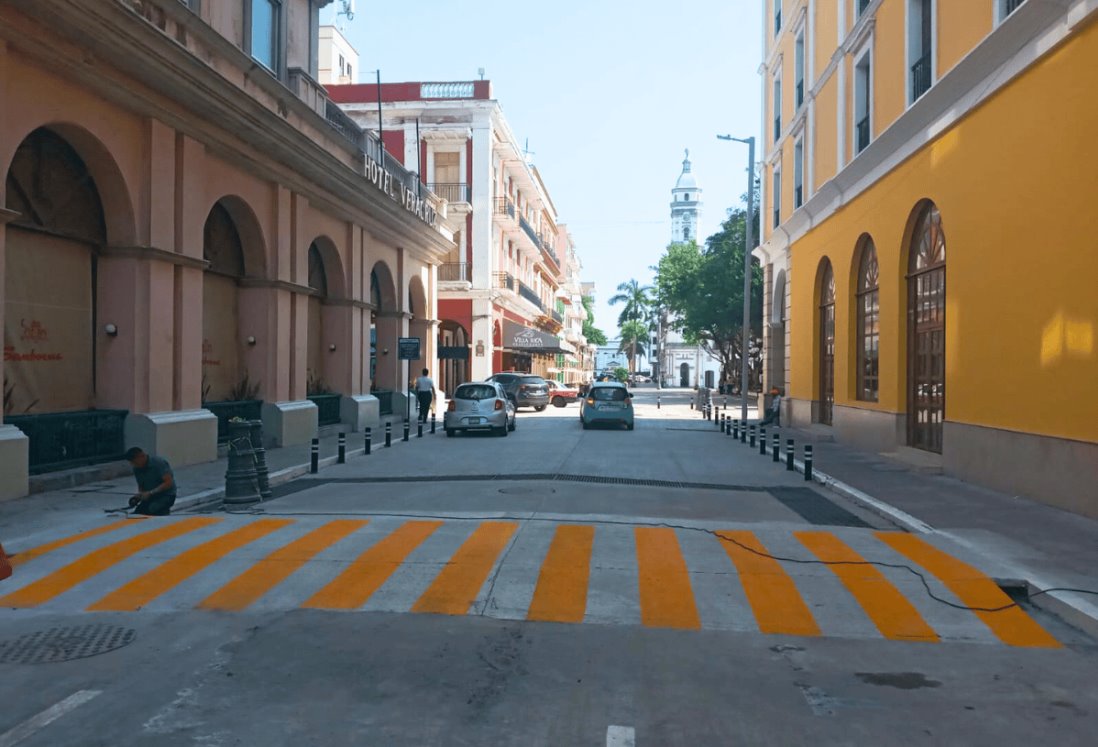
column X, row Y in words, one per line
column 774, row 415
column 425, row 393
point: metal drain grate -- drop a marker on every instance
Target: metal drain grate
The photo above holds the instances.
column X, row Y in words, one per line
column 65, row 644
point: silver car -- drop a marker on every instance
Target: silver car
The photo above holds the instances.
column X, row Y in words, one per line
column 480, row 406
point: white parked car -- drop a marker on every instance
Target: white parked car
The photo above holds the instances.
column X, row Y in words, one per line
column 480, row 406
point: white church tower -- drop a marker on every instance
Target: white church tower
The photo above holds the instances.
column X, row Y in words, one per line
column 685, row 205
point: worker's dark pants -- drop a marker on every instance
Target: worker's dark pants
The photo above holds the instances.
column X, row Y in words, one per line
column 424, row 404
column 157, row 505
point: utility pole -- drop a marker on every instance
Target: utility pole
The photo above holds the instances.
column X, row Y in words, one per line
column 749, row 231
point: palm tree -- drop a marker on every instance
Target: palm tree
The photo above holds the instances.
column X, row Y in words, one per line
column 634, row 341
column 638, row 302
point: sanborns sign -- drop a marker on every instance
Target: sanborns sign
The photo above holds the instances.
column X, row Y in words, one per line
column 383, row 179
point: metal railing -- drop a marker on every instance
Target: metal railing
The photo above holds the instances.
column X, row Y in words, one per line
column 327, row 408
column 384, row 400
column 557, row 316
column 249, row 409
column 504, row 207
column 529, row 231
column 453, row 272
column 505, row 280
column 60, row 440
column 530, row 295
column 450, row 192
column 863, row 134
column 920, row 77
column 344, row 125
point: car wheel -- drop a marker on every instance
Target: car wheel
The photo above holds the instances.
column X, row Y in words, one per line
column 512, row 424
column 559, row 402
column 584, row 424
column 502, row 432
column 540, row 408
column 629, row 426
column 449, row 432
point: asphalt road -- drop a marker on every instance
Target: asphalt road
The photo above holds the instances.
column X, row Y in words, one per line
column 555, row 587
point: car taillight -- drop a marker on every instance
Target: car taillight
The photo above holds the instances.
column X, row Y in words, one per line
column 499, row 404
column 452, row 406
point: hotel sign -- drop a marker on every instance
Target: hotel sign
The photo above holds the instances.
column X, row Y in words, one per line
column 383, row 179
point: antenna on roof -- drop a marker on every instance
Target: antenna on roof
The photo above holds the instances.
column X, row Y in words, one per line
column 347, row 10
column 526, row 152
column 480, row 72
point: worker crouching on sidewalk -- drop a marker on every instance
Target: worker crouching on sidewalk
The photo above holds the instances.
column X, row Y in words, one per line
column 155, row 481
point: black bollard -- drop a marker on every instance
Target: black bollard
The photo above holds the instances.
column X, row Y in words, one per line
column 314, row 456
column 743, row 431
column 432, row 424
column 388, row 435
column 728, row 426
column 342, row 458
column 407, row 426
column 776, row 447
column 419, row 430
column 691, row 404
column 808, row 461
column 762, row 441
column 789, row 449
column 369, row 437
column 751, row 440
column 719, row 420
column 657, row 401
column 736, row 428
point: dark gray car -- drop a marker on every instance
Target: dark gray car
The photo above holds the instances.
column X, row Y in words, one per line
column 525, row 390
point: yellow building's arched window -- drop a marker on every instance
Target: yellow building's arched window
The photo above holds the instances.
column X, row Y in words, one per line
column 869, row 316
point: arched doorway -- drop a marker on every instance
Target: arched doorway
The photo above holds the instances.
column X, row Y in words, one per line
column 453, row 356
column 321, row 371
column 777, row 332
column 51, row 350
column 826, row 403
column 684, row 375
column 384, row 333
column 926, row 294
column 229, row 389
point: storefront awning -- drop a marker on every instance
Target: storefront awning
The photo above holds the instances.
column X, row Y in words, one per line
column 520, row 339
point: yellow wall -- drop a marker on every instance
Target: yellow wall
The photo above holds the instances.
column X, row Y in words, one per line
column 825, row 38
column 1017, row 207
column 890, row 75
column 825, row 139
column 961, row 26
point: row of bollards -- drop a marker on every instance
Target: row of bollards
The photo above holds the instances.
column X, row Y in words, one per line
column 341, row 458
column 746, row 433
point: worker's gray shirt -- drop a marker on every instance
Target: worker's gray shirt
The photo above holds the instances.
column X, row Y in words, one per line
column 151, row 476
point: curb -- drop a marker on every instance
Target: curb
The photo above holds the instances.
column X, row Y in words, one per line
column 897, row 516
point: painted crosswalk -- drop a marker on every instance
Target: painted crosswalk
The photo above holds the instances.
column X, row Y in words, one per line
column 846, row 582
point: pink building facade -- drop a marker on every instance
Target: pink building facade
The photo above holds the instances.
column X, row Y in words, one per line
column 191, row 230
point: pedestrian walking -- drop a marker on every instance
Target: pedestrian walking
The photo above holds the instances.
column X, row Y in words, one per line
column 156, row 482
column 774, row 412
column 425, row 394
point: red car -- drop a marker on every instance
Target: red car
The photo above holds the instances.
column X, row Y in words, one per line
column 561, row 394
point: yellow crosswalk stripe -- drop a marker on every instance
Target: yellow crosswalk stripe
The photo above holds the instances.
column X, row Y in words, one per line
column 244, row 590
column 455, row 588
column 773, row 596
column 100, row 560
column 358, row 582
column 889, row 610
column 561, row 591
column 666, row 597
column 35, row 552
column 1012, row 625
column 147, row 587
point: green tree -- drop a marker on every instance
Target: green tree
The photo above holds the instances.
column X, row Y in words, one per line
column 637, row 299
column 702, row 288
column 621, row 375
column 593, row 334
column 634, row 340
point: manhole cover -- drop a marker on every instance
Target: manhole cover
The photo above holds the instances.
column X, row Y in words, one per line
column 525, row 491
column 65, row 644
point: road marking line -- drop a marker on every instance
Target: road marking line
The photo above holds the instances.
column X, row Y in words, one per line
column 778, row 606
column 35, row 724
column 94, row 563
column 358, row 582
column 666, row 597
column 165, row 577
column 1012, row 626
column 889, row 610
column 621, row 736
column 455, row 589
column 561, row 591
column 35, row 552
column 244, row 590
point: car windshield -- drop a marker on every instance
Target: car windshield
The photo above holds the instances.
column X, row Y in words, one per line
column 608, row 394
column 475, row 391
column 535, row 380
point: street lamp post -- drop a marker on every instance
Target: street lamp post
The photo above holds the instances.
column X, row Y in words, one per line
column 749, row 230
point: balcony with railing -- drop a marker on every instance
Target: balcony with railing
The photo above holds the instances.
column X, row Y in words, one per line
column 862, row 140
column 557, row 316
column 503, row 210
column 505, row 280
column 450, row 192
column 920, row 77
column 454, row 272
column 530, row 295
column 529, row 231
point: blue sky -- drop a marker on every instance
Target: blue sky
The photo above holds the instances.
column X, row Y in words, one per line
column 608, row 92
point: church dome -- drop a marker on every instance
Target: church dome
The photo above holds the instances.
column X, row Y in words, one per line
column 686, row 178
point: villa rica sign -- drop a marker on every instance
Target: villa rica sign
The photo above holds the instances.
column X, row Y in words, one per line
column 383, row 179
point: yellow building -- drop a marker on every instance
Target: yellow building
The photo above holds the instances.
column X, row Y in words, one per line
column 929, row 233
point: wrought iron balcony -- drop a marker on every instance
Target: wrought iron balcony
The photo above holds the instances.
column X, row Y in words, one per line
column 530, row 295
column 454, row 272
column 327, row 408
column 863, row 134
column 530, row 232
column 920, row 77
column 505, row 280
column 450, row 192
column 557, row 316
column 62, row 440
column 504, row 207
